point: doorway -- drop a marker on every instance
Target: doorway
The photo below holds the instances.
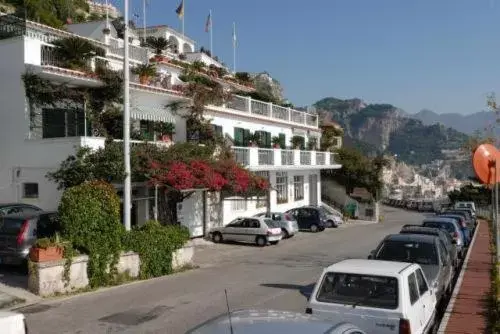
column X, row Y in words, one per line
column 313, row 189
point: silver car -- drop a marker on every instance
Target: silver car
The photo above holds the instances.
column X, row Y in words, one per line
column 272, row 322
column 258, row 230
column 287, row 223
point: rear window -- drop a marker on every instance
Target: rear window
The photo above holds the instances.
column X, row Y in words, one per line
column 449, row 227
column 408, row 251
column 271, row 223
column 359, row 290
column 10, row 226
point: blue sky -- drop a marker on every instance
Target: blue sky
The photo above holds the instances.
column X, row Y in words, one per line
column 437, row 54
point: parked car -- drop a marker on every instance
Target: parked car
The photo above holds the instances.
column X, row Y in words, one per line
column 285, row 221
column 331, row 218
column 444, row 236
column 471, row 213
column 426, row 206
column 380, row 297
column 18, row 232
column 309, row 218
column 451, row 226
column 272, row 322
column 258, row 230
column 470, row 205
column 13, row 208
column 469, row 220
column 466, row 232
column 426, row 250
column 13, row 323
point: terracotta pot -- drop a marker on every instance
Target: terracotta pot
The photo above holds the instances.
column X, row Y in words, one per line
column 46, row 254
column 276, row 146
column 143, row 79
column 166, row 138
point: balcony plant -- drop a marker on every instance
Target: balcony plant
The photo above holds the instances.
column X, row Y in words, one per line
column 312, row 144
column 145, row 72
column 276, row 142
column 75, row 53
column 47, row 249
column 164, row 131
column 297, row 142
column 159, row 44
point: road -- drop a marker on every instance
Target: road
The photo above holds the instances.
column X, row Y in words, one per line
column 278, row 277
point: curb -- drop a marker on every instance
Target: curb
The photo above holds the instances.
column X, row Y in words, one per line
column 458, row 285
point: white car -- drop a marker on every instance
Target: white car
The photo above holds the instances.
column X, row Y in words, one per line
column 380, row 297
column 12, row 323
column 258, row 230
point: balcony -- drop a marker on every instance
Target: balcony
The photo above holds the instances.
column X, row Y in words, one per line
column 256, row 158
column 266, row 110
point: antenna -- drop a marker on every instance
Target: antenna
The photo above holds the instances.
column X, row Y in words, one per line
column 229, row 313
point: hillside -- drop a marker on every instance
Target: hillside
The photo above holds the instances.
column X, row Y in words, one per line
column 464, row 123
column 376, row 128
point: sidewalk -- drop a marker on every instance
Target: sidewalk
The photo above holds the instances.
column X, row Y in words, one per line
column 468, row 309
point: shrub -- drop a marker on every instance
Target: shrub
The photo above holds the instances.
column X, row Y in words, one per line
column 155, row 244
column 90, row 220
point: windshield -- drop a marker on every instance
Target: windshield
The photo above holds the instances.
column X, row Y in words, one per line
column 408, row 251
column 9, row 226
column 362, row 290
column 448, row 227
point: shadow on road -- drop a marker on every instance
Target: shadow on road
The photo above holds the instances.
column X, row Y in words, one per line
column 13, row 276
column 305, row 290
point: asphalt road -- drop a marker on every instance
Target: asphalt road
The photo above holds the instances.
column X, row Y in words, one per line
column 278, row 277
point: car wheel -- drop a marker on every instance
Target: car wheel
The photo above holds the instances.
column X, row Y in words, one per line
column 217, row 237
column 274, row 242
column 286, row 235
column 329, row 223
column 314, row 228
column 261, row 241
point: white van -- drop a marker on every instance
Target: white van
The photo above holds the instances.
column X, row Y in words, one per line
column 380, row 297
column 468, row 205
column 12, row 323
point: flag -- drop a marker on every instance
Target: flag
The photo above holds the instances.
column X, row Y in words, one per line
column 180, row 10
column 208, row 24
column 234, row 34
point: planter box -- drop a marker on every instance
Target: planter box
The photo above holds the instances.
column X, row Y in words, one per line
column 46, row 254
column 182, row 257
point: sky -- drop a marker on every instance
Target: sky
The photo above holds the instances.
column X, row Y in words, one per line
column 441, row 55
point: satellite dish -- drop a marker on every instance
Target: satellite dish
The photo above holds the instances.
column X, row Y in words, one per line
column 483, row 161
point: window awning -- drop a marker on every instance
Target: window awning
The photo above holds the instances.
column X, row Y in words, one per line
column 151, row 114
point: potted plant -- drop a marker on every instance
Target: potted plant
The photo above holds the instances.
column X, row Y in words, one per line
column 312, row 144
column 47, row 249
column 276, row 142
column 164, row 131
column 145, row 72
column 159, row 44
column 297, row 142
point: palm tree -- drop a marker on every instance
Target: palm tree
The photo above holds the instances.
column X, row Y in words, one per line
column 159, row 44
column 75, row 53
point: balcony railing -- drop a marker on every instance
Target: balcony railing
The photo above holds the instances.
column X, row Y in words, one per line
column 270, row 110
column 255, row 157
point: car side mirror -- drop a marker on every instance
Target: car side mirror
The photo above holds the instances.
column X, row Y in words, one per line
column 371, row 255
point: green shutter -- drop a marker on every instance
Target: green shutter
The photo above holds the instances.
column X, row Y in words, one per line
column 246, row 137
column 282, row 138
column 268, row 139
column 239, row 136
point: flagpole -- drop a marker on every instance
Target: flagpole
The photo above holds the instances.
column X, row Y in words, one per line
column 183, row 15
column 234, row 47
column 211, row 35
column 144, row 18
column 127, row 185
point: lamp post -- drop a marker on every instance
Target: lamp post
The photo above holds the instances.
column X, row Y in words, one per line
column 127, row 185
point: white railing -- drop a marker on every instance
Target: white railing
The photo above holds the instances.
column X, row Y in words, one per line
column 305, row 157
column 260, row 108
column 266, row 156
column 280, row 112
column 239, row 103
column 311, row 120
column 287, row 157
column 255, row 157
column 298, row 117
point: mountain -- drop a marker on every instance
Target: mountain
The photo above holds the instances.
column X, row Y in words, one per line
column 464, row 123
column 384, row 128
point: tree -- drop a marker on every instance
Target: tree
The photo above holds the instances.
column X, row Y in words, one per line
column 159, row 44
column 75, row 52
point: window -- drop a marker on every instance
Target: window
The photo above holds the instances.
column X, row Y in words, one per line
column 422, row 284
column 262, row 200
column 251, row 223
column 264, row 139
column 408, row 251
column 443, row 253
column 241, row 137
column 282, row 138
column 359, row 289
column 217, row 129
column 238, row 204
column 30, row 190
column 412, row 286
column 58, row 123
column 298, row 187
column 282, row 187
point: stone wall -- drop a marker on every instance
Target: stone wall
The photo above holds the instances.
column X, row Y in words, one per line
column 47, row 278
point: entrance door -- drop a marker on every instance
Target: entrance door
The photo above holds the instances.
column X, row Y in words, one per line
column 313, row 189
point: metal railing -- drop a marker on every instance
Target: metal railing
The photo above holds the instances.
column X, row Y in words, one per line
column 305, row 157
column 242, row 155
column 266, row 156
column 287, row 157
column 320, row 158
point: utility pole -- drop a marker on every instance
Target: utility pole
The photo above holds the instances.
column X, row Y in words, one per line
column 127, row 184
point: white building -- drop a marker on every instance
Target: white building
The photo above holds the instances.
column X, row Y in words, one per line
column 34, row 143
column 101, row 9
